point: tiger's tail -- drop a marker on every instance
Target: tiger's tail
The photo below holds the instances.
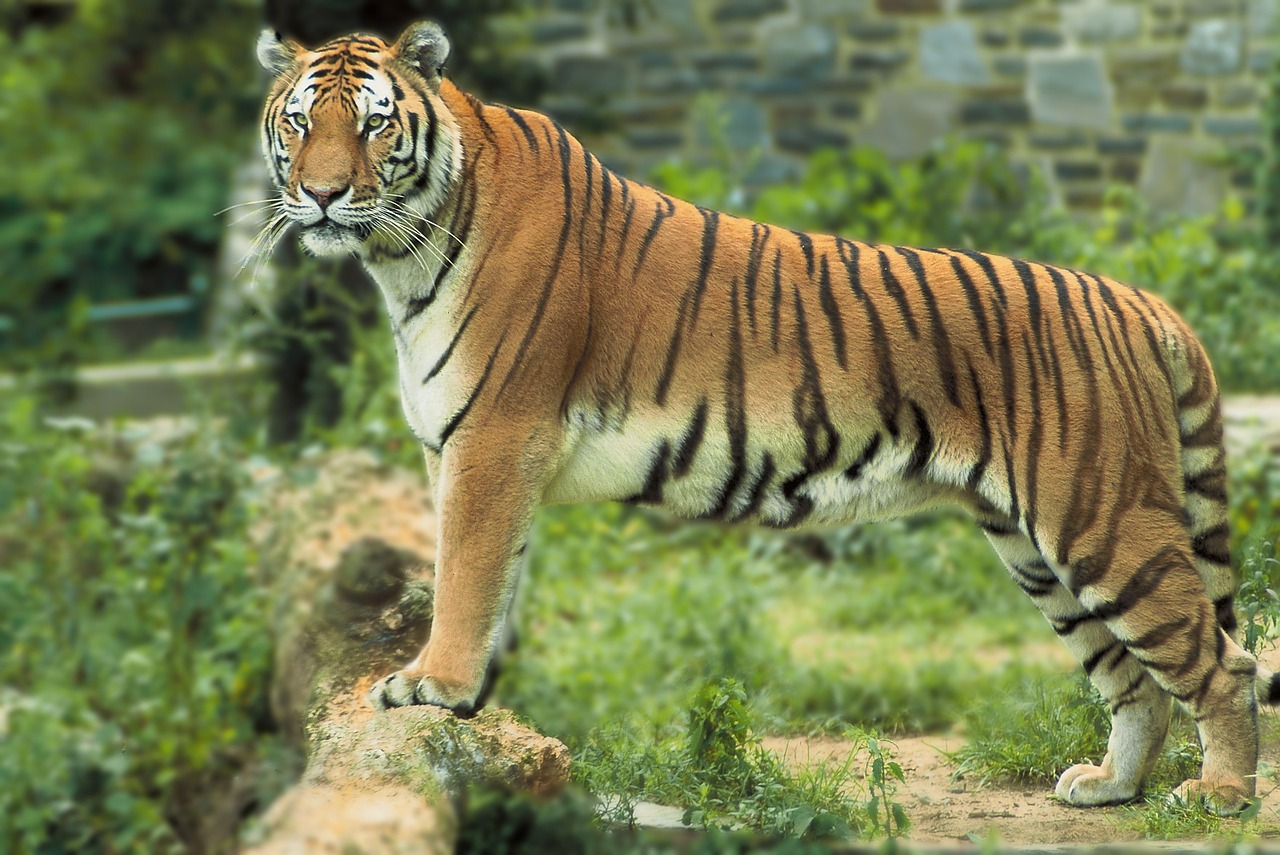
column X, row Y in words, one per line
column 1204, row 478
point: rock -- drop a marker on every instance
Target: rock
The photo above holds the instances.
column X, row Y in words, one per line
column 949, row 53
column 1178, row 178
column 1095, row 21
column 909, row 119
column 1070, row 90
column 1213, row 47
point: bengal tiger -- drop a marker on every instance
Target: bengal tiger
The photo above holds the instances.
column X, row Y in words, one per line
column 565, row 334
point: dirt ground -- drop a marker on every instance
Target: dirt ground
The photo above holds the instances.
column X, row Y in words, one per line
column 354, row 496
column 944, row 811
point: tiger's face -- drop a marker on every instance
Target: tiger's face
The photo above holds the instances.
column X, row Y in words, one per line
column 351, row 133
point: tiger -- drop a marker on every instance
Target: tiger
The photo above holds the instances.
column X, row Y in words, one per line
column 564, row 334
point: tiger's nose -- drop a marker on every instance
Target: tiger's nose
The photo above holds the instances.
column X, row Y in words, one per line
column 324, row 194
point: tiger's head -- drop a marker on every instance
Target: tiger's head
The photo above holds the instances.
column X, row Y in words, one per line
column 356, row 137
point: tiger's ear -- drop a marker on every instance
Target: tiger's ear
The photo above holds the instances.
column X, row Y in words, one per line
column 275, row 54
column 425, row 47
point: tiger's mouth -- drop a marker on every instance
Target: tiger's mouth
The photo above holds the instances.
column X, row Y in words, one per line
column 329, row 237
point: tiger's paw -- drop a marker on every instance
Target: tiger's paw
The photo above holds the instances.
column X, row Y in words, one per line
column 411, row 687
column 1225, row 798
column 1086, row 785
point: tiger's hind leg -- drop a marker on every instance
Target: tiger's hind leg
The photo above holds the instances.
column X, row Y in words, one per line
column 1144, row 586
column 1140, row 708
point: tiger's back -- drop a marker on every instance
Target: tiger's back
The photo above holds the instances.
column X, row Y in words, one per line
column 565, row 334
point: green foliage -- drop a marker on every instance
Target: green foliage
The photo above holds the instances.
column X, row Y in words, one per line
column 138, row 655
column 720, row 772
column 1035, row 734
column 127, row 120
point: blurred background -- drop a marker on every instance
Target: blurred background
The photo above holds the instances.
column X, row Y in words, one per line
column 152, row 367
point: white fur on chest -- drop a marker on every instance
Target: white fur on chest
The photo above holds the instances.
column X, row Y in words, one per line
column 433, row 388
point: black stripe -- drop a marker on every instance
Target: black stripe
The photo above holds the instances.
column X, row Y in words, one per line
column 829, row 308
column 606, row 201
column 1160, row 634
column 1212, row 485
column 735, row 414
column 1224, row 611
column 1032, row 452
column 1068, row 625
column 651, row 493
column 864, row 457
column 1212, row 544
column 923, row 447
column 629, row 206
column 941, row 341
column 1144, row 581
column 777, row 296
column 448, row 351
column 690, row 303
column 691, row 440
column 759, row 237
column 975, row 302
column 1092, row 662
column 664, row 209
column 453, row 423
column 894, row 288
column 890, row 400
column 984, row 456
column 806, row 248
column 756, row 493
column 477, row 107
column 520, row 123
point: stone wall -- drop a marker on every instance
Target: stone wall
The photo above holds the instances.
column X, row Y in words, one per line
column 1148, row 93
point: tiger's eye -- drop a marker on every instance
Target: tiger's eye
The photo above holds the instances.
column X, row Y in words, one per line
column 374, row 122
column 299, row 119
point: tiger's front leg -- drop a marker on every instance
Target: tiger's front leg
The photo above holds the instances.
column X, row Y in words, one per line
column 485, row 499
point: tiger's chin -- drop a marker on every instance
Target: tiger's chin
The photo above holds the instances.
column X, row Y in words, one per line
column 330, row 238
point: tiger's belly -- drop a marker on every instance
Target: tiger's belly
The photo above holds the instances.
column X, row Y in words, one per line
column 769, row 480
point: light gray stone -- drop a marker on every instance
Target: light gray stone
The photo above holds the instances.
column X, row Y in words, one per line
column 1097, row 21
column 1213, row 47
column 909, row 119
column 822, row 10
column 1070, row 90
column 799, row 49
column 1179, row 177
column 949, row 53
column 1264, row 18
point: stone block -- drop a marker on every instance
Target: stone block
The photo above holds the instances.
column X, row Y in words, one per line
column 874, row 30
column 772, row 85
column 1097, row 22
column 1213, row 47
column 746, row 10
column 1212, row 8
column 1001, row 111
column 949, row 53
column 831, row 10
column 989, row 5
column 1121, row 145
column 1263, row 18
column 772, row 169
column 1125, row 170
column 1077, row 170
column 909, row 7
column 806, row 139
column 1180, row 178
column 909, row 119
column 851, row 110
column 1137, row 123
column 590, row 76
column 725, row 60
column 1057, row 142
column 1070, row 90
column 1040, row 36
column 1233, row 126
column 576, row 7
column 1013, row 65
column 1261, row 61
column 996, row 37
column 804, row 50
column 1189, row 96
column 878, row 59
column 672, row 80
column 1238, row 95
